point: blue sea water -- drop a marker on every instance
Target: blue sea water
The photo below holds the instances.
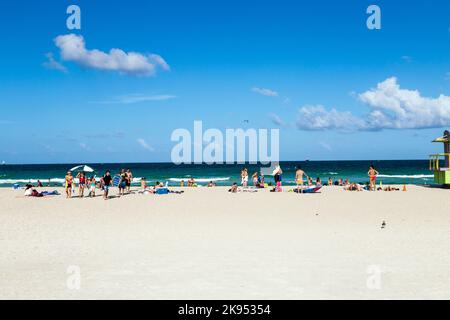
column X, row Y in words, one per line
column 391, row 172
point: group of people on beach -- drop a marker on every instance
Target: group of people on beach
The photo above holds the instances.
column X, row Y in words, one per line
column 303, row 180
column 125, row 179
column 104, row 183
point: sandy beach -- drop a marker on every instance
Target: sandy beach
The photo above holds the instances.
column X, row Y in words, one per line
column 209, row 244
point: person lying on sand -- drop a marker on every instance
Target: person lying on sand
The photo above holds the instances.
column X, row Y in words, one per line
column 234, row 188
column 353, row 187
column 388, row 188
column 31, row 192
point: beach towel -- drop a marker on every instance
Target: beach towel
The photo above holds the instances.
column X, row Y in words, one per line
column 162, row 191
column 308, row 190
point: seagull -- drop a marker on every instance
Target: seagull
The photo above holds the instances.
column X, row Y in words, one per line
column 383, row 225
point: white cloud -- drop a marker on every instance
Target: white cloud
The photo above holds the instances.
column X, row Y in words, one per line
column 73, row 48
column 319, row 118
column 407, row 59
column 390, row 107
column 51, row 63
column 265, row 92
column 84, row 146
column 136, row 98
column 276, row 120
column 397, row 108
column 326, row 146
column 145, row 145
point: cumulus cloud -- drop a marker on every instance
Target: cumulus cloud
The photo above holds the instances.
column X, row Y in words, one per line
column 145, row 145
column 73, row 48
column 390, row 107
column 136, row 98
column 51, row 63
column 265, row 92
column 319, row 118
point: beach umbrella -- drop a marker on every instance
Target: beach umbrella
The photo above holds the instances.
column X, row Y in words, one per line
column 83, row 168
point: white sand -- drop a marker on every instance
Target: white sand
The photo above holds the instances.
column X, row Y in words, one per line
column 208, row 244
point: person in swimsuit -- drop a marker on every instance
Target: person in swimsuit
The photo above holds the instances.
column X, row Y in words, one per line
column 372, row 173
column 129, row 180
column 69, row 181
column 122, row 182
column 92, row 183
column 81, row 183
column 106, row 181
column 244, row 177
column 299, row 173
column 255, row 179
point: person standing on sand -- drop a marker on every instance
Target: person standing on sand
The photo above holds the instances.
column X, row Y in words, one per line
column 69, row 181
column 81, row 184
column 299, row 173
column 106, row 181
column 244, row 178
column 129, row 180
column 122, row 182
column 372, row 173
column 277, row 173
column 255, row 179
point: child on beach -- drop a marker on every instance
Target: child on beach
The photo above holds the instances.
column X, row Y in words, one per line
column 91, row 186
column 318, row 182
column 69, row 181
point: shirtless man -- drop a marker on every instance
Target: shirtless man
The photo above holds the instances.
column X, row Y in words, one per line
column 129, row 180
column 299, row 177
column 372, row 173
column 69, row 182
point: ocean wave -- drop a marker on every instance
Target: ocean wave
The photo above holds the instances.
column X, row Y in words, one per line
column 200, row 179
column 406, row 176
column 32, row 180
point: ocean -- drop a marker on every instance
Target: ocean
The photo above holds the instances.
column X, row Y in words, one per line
column 391, row 172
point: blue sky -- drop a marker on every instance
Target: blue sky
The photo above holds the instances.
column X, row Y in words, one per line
column 309, row 69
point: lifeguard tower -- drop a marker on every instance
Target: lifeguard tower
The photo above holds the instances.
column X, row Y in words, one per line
column 440, row 163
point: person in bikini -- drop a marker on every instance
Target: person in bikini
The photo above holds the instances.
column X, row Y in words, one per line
column 372, row 173
column 81, row 183
column 69, row 182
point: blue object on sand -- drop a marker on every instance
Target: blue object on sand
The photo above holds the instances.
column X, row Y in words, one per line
column 311, row 190
column 116, row 180
column 162, row 191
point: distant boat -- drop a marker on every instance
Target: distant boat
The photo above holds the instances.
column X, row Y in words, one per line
column 3, row 163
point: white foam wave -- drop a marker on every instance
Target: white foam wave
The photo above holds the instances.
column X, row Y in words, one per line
column 200, row 179
column 406, row 176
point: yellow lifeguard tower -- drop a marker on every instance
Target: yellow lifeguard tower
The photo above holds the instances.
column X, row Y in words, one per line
column 440, row 163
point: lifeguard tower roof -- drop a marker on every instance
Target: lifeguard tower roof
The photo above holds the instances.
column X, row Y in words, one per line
column 445, row 138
